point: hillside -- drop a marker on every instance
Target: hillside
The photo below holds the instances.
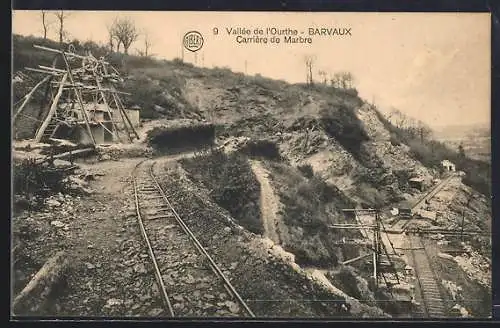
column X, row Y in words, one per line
column 322, row 149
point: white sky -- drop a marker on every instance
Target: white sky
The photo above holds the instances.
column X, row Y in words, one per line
column 434, row 67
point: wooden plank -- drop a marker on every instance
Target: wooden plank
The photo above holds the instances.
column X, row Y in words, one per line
column 71, row 54
column 28, row 96
column 120, row 107
column 107, row 107
column 356, row 259
column 42, row 71
column 79, row 97
column 52, row 110
column 66, row 154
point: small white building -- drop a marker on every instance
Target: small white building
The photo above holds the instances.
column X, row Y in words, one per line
column 449, row 166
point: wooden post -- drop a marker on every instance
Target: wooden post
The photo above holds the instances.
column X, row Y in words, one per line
column 28, row 96
column 375, row 274
column 377, row 248
column 79, row 97
column 107, row 107
column 125, row 114
column 462, row 230
column 52, row 109
column 124, row 121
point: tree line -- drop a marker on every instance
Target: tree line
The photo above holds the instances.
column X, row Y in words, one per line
column 122, row 32
column 339, row 80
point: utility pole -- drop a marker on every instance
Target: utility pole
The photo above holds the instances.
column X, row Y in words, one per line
column 246, row 67
column 463, row 221
column 377, row 246
column 182, row 50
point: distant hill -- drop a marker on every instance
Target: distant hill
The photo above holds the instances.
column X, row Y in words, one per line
column 463, row 130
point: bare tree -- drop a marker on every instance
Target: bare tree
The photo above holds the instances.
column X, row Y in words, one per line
column 125, row 32
column 342, row 80
column 112, row 39
column 61, row 16
column 423, row 131
column 323, row 75
column 309, row 61
column 147, row 45
column 45, row 23
column 347, row 80
column 336, row 80
column 146, row 51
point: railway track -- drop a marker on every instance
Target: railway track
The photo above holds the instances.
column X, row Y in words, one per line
column 432, row 303
column 188, row 279
column 401, row 224
column 432, row 192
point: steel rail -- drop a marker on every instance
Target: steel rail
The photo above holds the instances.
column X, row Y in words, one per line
column 415, row 269
column 214, row 266
column 159, row 279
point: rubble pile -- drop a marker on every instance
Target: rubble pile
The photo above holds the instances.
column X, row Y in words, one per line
column 372, row 124
column 475, row 266
column 234, row 144
column 454, row 290
column 117, row 151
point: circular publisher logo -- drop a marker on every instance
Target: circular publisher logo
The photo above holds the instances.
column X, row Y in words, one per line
column 193, row 41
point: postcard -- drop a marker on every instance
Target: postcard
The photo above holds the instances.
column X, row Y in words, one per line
column 251, row 165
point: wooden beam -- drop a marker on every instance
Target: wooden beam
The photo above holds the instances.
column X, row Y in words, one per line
column 28, row 96
column 70, row 54
column 51, row 112
column 107, row 107
column 358, row 210
column 41, row 71
column 350, row 226
column 36, row 294
column 52, row 69
column 66, row 154
column 121, row 107
column 92, row 88
column 79, row 97
column 356, row 259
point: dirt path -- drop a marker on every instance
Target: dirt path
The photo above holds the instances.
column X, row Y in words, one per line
column 269, row 202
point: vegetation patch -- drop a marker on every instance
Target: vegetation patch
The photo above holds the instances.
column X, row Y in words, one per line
column 35, row 181
column 232, row 184
column 341, row 123
column 310, row 205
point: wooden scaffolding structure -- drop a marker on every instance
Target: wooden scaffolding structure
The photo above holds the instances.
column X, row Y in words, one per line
column 383, row 265
column 84, row 86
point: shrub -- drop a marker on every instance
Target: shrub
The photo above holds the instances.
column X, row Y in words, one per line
column 341, row 123
column 232, row 185
column 35, row 181
column 395, row 141
column 306, row 170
